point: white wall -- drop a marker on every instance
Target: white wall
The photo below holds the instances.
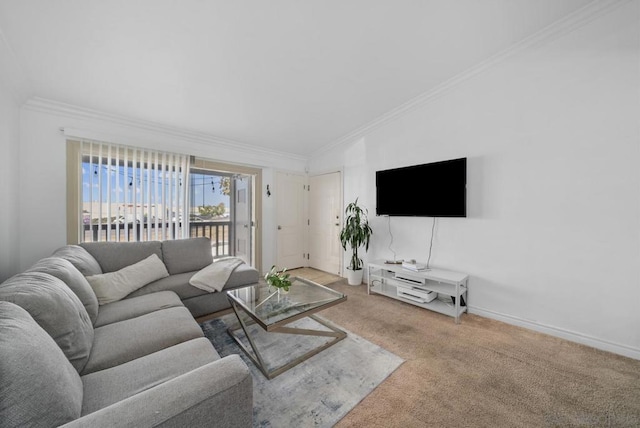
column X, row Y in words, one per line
column 43, row 174
column 9, row 141
column 269, row 222
column 552, row 138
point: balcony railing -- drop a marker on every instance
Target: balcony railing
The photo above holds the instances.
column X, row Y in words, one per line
column 219, row 232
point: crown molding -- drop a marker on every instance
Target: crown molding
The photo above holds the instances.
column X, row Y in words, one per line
column 12, row 74
column 68, row 110
column 548, row 34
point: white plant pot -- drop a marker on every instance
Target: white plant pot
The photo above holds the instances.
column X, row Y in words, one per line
column 354, row 277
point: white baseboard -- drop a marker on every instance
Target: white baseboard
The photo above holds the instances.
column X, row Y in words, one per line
column 615, row 348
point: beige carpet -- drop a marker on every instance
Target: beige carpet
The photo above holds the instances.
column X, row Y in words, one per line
column 481, row 373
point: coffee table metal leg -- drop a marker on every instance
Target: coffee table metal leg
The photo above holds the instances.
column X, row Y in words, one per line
column 257, row 360
column 334, row 332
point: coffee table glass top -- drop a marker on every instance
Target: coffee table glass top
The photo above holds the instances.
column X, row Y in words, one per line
column 271, row 308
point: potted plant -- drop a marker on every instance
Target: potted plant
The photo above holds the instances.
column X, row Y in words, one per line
column 355, row 233
column 278, row 279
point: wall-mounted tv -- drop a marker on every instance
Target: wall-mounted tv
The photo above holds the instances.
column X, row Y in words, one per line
column 437, row 189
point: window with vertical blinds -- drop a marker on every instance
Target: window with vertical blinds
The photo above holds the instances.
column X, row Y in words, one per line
column 132, row 194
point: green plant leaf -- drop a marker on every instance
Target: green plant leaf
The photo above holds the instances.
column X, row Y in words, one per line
column 278, row 279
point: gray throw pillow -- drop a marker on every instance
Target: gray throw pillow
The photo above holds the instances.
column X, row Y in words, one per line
column 56, row 309
column 186, row 255
column 39, row 386
column 80, row 258
column 64, row 270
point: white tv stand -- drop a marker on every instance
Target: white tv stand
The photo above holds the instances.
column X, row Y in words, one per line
column 419, row 287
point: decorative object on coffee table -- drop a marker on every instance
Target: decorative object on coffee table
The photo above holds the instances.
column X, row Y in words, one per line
column 278, row 279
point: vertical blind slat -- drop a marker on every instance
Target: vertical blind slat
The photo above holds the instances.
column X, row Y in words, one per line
column 90, row 188
column 155, row 195
column 165, row 215
column 116, row 169
column 172, row 231
column 149, row 196
column 108, row 201
column 126, row 186
column 134, row 194
column 185, row 196
column 99, row 189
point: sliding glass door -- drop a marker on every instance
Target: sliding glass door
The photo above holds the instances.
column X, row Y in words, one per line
column 221, row 210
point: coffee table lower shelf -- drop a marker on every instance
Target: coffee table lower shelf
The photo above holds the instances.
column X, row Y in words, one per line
column 253, row 352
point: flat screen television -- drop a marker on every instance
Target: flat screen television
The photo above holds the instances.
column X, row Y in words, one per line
column 437, row 189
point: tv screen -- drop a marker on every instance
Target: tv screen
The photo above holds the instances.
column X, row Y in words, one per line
column 437, row 189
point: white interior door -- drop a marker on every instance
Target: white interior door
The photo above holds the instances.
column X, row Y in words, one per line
column 242, row 223
column 291, row 220
column 325, row 208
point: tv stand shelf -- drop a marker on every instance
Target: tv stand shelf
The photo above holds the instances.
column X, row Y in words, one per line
column 419, row 287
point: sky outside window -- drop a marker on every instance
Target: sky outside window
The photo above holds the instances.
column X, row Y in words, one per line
column 97, row 194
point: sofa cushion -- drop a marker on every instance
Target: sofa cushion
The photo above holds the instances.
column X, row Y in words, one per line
column 178, row 283
column 186, row 255
column 80, row 258
column 114, row 256
column 136, row 306
column 110, row 386
column 241, row 276
column 113, row 286
column 39, row 386
column 56, row 309
column 64, row 270
column 127, row 340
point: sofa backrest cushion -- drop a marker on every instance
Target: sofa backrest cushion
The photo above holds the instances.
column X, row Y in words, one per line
column 80, row 258
column 113, row 256
column 65, row 271
column 39, row 386
column 56, row 309
column 186, row 255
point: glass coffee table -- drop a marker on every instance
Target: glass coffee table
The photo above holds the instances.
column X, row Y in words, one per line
column 262, row 310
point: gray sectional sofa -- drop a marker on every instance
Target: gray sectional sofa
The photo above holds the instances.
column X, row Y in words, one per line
column 182, row 257
column 138, row 361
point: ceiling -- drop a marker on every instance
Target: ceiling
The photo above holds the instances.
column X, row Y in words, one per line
column 285, row 75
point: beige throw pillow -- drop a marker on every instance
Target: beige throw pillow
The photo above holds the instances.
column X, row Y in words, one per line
column 113, row 286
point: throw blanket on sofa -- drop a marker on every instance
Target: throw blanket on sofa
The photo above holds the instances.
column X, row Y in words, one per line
column 213, row 278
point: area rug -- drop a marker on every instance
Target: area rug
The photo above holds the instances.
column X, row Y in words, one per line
column 317, row 392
